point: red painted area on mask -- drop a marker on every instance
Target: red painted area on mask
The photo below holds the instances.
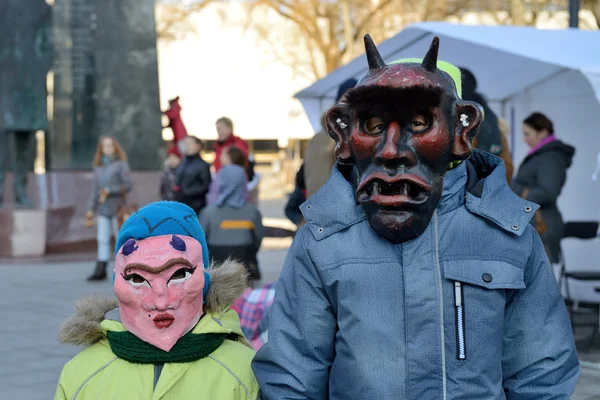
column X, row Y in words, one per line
column 436, row 141
column 407, row 75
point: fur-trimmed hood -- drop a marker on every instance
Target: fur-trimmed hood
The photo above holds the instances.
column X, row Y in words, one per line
column 227, row 283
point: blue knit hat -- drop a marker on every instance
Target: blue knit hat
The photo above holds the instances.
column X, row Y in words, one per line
column 164, row 218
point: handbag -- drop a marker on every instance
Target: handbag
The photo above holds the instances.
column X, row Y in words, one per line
column 540, row 224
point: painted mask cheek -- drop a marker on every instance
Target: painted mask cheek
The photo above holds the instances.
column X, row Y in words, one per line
column 364, row 145
column 434, row 143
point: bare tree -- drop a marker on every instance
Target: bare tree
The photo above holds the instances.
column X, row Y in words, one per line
column 173, row 19
column 314, row 37
column 594, row 7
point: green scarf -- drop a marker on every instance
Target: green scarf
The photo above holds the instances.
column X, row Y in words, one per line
column 190, row 347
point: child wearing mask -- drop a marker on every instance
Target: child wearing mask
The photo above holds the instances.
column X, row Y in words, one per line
column 170, row 332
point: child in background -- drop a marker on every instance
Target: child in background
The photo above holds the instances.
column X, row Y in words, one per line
column 233, row 226
column 168, row 178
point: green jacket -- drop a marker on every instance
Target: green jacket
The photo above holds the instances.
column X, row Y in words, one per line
column 96, row 373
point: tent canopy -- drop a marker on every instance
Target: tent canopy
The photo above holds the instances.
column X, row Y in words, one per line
column 506, row 60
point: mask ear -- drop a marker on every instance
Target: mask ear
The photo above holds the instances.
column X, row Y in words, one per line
column 469, row 116
column 339, row 126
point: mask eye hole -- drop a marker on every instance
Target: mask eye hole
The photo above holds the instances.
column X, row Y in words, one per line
column 181, row 275
column 418, row 124
column 136, row 280
column 374, row 126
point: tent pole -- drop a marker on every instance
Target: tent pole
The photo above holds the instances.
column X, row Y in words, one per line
column 574, row 13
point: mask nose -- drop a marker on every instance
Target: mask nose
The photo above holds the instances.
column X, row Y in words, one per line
column 395, row 152
column 161, row 300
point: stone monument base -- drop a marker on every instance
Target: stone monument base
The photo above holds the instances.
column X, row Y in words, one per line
column 28, row 232
column 22, row 232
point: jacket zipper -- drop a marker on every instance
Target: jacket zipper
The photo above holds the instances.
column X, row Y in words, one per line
column 461, row 346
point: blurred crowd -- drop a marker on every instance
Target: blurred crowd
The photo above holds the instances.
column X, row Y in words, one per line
column 224, row 195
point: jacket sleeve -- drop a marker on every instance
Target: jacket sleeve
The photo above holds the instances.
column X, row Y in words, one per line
column 550, row 180
column 94, row 194
column 125, row 184
column 539, row 359
column 259, row 229
column 295, row 362
column 201, row 183
column 60, row 393
column 60, row 389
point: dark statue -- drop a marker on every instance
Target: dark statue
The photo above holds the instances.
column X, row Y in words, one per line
column 25, row 60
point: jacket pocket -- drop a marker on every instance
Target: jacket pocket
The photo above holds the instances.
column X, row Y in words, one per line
column 484, row 276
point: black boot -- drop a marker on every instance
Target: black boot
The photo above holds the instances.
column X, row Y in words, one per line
column 99, row 273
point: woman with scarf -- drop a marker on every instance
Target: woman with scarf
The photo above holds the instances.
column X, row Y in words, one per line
column 233, row 226
column 110, row 185
column 541, row 177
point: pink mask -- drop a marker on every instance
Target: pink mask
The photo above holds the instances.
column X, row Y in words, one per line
column 159, row 283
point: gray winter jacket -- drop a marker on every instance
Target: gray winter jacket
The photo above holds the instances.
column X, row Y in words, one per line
column 468, row 310
column 544, row 173
column 116, row 177
column 233, row 226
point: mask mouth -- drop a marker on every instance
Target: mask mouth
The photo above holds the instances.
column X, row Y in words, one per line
column 396, row 191
column 164, row 320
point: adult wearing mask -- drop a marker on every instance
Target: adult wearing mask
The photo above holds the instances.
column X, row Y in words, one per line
column 493, row 133
column 541, row 177
column 193, row 176
column 320, row 157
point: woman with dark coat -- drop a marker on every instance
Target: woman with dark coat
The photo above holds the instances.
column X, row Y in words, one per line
column 541, row 177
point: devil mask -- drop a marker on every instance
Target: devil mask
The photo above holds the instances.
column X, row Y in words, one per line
column 397, row 133
column 160, row 283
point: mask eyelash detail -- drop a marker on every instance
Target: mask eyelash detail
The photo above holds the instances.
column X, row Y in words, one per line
column 129, row 278
column 187, row 274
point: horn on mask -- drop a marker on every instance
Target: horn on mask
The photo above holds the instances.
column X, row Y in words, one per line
column 430, row 61
column 373, row 56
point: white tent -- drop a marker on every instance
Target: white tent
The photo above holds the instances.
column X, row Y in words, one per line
column 519, row 70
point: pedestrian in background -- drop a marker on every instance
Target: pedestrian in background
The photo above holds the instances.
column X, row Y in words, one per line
column 110, row 184
column 227, row 139
column 298, row 196
column 176, row 123
column 233, row 226
column 541, row 177
column 192, row 178
column 168, row 180
column 234, row 155
column 492, row 136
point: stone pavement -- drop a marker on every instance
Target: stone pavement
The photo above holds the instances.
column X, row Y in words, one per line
column 37, row 297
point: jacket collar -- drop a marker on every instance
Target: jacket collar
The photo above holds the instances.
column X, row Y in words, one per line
column 490, row 197
column 333, row 207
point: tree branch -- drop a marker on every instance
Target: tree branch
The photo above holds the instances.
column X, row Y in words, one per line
column 361, row 25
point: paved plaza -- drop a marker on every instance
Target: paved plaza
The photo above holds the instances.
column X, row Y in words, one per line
column 37, row 297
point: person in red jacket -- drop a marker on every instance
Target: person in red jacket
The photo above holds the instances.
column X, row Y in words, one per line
column 227, row 139
column 176, row 123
